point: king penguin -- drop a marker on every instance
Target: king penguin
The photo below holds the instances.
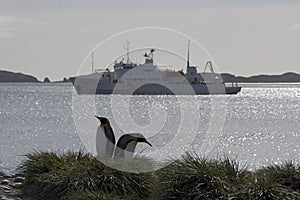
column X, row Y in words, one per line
column 127, row 143
column 105, row 139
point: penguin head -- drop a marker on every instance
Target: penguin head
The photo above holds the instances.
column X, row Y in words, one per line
column 103, row 120
column 140, row 138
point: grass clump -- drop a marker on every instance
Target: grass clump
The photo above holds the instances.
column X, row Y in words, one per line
column 52, row 175
column 287, row 174
column 272, row 182
column 193, row 177
column 262, row 188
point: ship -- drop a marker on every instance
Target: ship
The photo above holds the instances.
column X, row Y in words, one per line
column 129, row 78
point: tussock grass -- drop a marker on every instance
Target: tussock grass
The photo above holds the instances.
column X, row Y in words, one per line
column 262, row 188
column 52, row 175
column 90, row 195
column 273, row 182
column 193, row 177
column 138, row 164
column 77, row 175
column 287, row 174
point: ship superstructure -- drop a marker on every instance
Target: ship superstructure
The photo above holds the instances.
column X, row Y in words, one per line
column 148, row 79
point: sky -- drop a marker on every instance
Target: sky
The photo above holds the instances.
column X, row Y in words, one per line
column 244, row 37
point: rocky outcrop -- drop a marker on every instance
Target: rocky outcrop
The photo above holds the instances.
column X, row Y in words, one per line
column 46, row 80
column 11, row 186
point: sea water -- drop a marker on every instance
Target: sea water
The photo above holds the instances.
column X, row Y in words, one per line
column 258, row 126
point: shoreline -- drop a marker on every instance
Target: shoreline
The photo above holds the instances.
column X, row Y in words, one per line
column 10, row 185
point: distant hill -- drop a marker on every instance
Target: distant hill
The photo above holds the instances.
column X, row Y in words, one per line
column 6, row 76
column 290, row 77
column 283, row 78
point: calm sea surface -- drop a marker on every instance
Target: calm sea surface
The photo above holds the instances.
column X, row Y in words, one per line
column 259, row 126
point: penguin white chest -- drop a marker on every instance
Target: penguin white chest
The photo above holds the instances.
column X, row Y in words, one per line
column 101, row 141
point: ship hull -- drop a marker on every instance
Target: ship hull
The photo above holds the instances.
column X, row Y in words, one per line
column 94, row 86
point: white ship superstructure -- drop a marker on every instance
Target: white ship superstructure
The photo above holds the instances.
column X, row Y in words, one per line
column 148, row 79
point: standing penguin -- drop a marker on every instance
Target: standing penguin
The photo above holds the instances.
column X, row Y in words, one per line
column 105, row 139
column 127, row 143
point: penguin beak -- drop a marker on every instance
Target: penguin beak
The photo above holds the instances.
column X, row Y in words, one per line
column 148, row 143
column 101, row 119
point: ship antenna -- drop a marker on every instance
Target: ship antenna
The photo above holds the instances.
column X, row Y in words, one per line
column 127, row 51
column 188, row 55
column 92, row 61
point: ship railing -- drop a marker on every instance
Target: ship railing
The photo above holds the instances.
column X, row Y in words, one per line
column 232, row 84
column 101, row 70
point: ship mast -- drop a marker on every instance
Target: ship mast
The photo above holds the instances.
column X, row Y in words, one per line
column 92, row 61
column 188, row 55
column 127, row 51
